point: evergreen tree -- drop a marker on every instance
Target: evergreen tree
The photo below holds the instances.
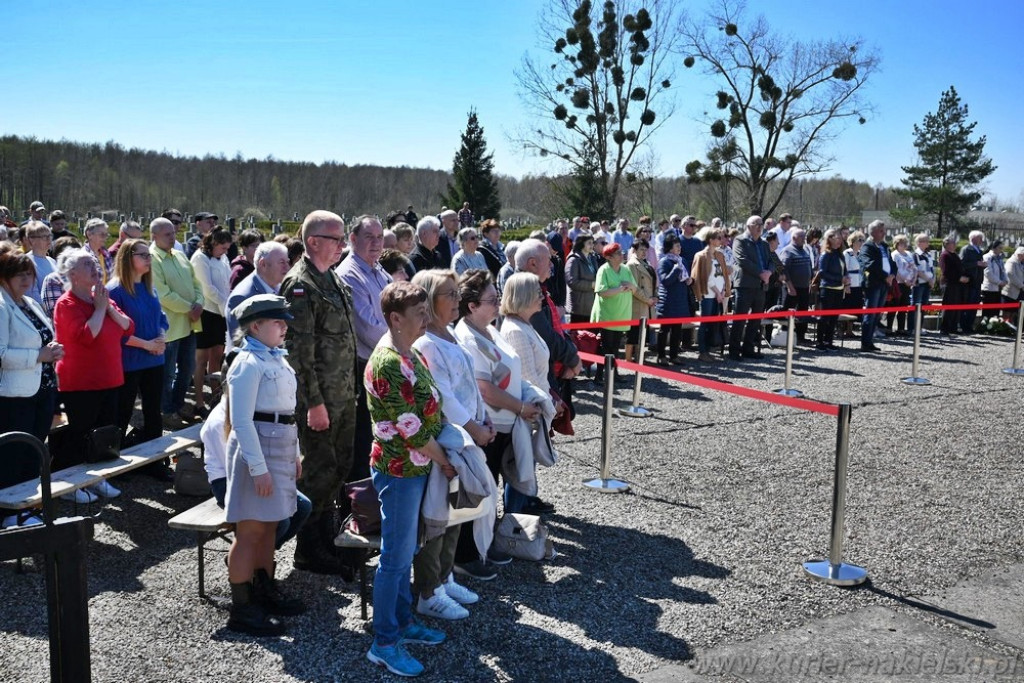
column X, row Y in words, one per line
column 473, row 175
column 950, row 166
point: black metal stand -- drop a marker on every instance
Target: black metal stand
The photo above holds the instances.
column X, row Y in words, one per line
column 63, row 544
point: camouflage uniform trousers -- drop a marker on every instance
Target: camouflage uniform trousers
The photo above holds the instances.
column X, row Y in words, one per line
column 327, row 455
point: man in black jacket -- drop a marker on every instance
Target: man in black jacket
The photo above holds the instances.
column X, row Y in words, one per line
column 878, row 271
column 751, row 282
column 423, row 256
column 974, row 270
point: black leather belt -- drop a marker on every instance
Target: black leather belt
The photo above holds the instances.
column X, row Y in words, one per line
column 279, row 418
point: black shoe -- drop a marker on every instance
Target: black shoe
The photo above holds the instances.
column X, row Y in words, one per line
column 267, row 594
column 248, row 617
column 833, row 347
column 821, row 347
column 253, row 620
column 495, row 556
column 536, row 506
column 477, row 569
column 751, row 354
column 735, row 356
column 869, row 347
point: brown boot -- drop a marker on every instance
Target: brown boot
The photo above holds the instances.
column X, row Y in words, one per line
column 631, row 353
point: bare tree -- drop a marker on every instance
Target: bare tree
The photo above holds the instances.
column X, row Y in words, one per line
column 781, row 100
column 596, row 101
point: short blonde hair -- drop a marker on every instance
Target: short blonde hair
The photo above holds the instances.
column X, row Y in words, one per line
column 855, row 236
column 430, row 281
column 922, row 236
column 521, row 290
column 901, row 239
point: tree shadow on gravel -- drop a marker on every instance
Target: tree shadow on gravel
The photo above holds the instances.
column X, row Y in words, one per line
column 616, row 576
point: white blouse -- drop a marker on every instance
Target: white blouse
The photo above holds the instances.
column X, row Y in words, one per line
column 452, row 370
column 214, row 274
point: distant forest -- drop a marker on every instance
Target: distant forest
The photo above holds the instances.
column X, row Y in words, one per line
column 109, row 179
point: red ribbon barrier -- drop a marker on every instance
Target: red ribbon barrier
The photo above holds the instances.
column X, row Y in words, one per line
column 786, row 314
column 798, row 403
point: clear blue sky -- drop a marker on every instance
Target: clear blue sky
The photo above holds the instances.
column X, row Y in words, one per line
column 390, row 82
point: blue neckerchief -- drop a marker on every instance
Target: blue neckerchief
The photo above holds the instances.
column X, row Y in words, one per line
column 254, row 344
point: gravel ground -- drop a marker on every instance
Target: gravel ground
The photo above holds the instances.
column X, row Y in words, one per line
column 729, row 496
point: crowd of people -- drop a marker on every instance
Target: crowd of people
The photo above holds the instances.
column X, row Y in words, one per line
column 406, row 352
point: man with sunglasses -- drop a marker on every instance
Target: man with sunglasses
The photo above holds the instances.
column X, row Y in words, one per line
column 175, row 217
column 321, row 345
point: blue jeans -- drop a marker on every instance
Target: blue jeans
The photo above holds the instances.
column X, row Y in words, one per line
column 708, row 306
column 515, row 501
column 179, row 364
column 919, row 294
column 874, row 297
column 400, row 499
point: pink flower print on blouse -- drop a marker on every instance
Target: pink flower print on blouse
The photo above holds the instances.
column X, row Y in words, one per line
column 385, row 430
column 418, row 458
column 408, row 425
column 408, row 371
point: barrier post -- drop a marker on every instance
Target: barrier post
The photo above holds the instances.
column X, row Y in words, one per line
column 790, row 335
column 605, row 483
column 1015, row 370
column 915, row 379
column 833, row 571
column 635, row 410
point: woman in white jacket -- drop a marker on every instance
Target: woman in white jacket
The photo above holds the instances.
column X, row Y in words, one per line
column 1014, row 289
column 28, row 383
column 214, row 273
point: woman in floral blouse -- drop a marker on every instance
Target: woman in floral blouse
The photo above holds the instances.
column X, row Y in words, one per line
column 406, row 412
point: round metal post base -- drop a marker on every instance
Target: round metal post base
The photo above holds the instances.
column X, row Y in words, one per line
column 606, row 485
column 1014, row 371
column 635, row 411
column 835, row 574
column 916, row 381
column 792, row 393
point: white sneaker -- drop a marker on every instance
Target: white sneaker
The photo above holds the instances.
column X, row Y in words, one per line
column 13, row 521
column 439, row 605
column 104, row 489
column 80, row 497
column 459, row 593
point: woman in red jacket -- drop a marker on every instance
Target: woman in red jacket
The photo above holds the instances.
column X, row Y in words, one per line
column 90, row 327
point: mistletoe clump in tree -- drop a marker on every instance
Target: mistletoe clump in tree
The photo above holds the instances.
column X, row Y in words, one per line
column 473, row 174
column 597, row 98
column 781, row 100
column 950, row 166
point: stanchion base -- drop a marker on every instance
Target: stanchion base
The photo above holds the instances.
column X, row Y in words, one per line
column 835, row 574
column 792, row 393
column 916, row 381
column 635, row 411
column 606, row 485
column 1013, row 371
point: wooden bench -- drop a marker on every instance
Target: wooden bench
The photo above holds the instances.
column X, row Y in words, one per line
column 29, row 494
column 208, row 521
column 370, row 545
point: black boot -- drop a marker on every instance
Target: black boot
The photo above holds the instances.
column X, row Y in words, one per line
column 312, row 554
column 267, row 594
column 248, row 617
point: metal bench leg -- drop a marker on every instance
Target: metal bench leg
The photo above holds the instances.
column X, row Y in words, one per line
column 363, row 594
column 201, row 539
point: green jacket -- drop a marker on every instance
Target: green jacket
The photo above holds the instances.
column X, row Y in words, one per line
column 321, row 339
column 178, row 289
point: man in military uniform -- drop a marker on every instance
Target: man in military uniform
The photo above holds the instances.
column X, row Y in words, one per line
column 322, row 349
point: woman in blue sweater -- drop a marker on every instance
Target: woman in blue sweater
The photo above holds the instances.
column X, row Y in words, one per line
column 834, row 285
column 143, row 353
column 673, row 299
